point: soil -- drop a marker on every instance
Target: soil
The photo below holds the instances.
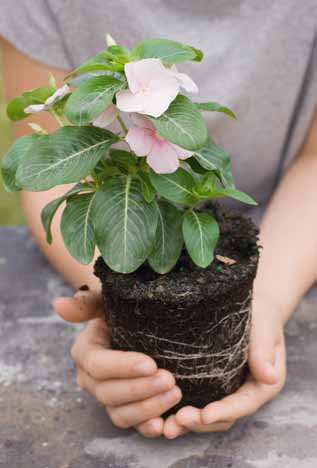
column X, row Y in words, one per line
column 194, row 322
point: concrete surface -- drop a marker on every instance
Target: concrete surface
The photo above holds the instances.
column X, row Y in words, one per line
column 47, row 422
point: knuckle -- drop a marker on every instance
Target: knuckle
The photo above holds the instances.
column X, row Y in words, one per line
column 80, row 380
column 89, row 364
column 120, row 421
column 73, row 351
column 103, row 396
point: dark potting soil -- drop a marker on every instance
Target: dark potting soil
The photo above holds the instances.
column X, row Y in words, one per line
column 194, row 322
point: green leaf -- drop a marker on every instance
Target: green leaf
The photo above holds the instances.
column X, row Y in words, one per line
column 148, row 191
column 86, row 76
column 67, row 155
column 15, row 108
column 122, row 157
column 201, row 233
column 99, row 62
column 50, row 209
column 215, row 107
column 169, row 52
column 91, row 98
column 208, row 183
column 169, row 238
column 125, row 224
column 13, row 158
column 182, row 124
column 214, row 158
column 77, row 227
column 195, row 166
column 232, row 193
column 118, row 53
column 176, row 187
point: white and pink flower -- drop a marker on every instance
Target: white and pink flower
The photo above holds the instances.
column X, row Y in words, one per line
column 106, row 117
column 152, row 87
column 161, row 155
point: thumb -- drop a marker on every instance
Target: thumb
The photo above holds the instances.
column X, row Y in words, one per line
column 262, row 355
column 83, row 306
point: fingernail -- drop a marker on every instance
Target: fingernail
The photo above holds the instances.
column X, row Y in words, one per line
column 173, row 395
column 145, row 368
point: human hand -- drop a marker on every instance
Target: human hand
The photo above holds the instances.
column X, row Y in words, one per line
column 134, row 392
column 267, row 364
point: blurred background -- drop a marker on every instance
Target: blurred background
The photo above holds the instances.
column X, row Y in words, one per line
column 10, row 210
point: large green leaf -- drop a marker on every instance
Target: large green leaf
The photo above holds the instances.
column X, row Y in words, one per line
column 233, row 193
column 91, row 98
column 169, row 238
column 77, row 227
column 12, row 159
column 215, row 107
column 182, row 124
column 169, row 52
column 176, row 187
column 67, row 155
column 50, row 209
column 214, row 158
column 125, row 224
column 15, row 109
column 98, row 62
column 201, row 233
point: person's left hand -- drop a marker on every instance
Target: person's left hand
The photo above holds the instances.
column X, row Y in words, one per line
column 267, row 364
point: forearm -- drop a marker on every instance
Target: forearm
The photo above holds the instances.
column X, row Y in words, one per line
column 288, row 261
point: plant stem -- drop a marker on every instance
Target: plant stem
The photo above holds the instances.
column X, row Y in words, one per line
column 123, row 126
column 57, row 117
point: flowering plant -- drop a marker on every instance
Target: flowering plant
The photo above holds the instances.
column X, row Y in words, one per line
column 139, row 203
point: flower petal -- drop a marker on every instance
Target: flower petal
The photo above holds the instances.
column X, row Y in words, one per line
column 159, row 97
column 106, row 117
column 140, row 140
column 35, row 108
column 184, row 80
column 129, row 102
column 181, row 152
column 162, row 158
column 141, row 121
column 141, row 72
column 58, row 95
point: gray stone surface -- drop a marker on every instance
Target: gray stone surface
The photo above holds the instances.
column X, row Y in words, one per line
column 47, row 422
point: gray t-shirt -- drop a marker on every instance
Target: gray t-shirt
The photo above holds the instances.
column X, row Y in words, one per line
column 256, row 56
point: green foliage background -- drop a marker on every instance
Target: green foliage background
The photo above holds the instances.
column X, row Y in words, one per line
column 10, row 210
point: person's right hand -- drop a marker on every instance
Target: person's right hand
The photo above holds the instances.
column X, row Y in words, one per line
column 134, row 392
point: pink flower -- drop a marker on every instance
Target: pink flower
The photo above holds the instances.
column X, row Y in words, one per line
column 152, row 87
column 106, row 117
column 161, row 155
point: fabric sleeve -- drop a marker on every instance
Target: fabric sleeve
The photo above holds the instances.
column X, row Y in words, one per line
column 32, row 27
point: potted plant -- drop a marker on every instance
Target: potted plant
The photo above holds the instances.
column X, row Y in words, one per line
column 176, row 270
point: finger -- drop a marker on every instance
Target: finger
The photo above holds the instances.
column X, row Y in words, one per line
column 101, row 363
column 244, row 402
column 135, row 413
column 123, row 391
column 83, row 306
column 152, row 428
column 190, row 418
column 172, row 429
column 262, row 346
